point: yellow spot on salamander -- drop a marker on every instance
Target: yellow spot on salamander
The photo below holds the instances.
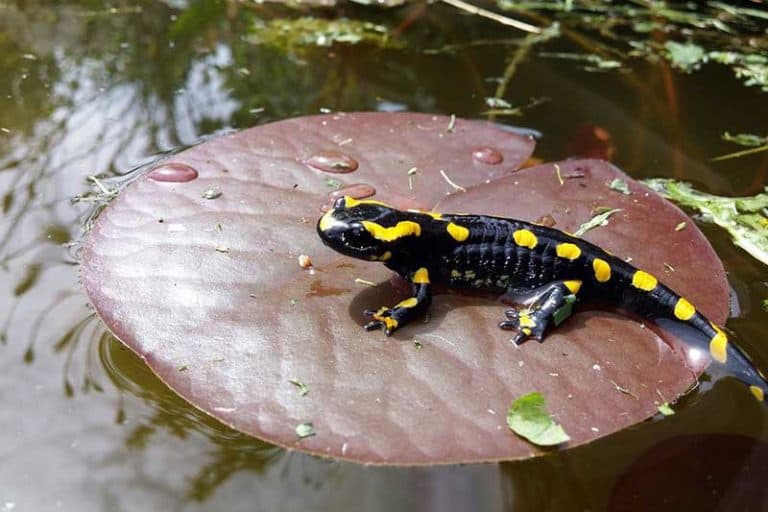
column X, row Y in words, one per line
column 568, row 251
column 389, row 322
column 573, row 286
column 459, row 233
column 421, row 276
column 644, row 281
column 407, row 303
column 327, row 221
column 525, row 238
column 527, row 321
column 602, row 270
column 684, row 310
column 351, row 202
column 757, row 393
column 526, row 331
column 401, row 229
column 718, row 346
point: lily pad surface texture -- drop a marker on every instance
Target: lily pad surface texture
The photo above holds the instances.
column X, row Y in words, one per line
column 195, row 266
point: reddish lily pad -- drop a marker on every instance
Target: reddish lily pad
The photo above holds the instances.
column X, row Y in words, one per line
column 210, row 293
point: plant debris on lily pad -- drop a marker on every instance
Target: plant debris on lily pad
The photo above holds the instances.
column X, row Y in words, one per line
column 247, row 321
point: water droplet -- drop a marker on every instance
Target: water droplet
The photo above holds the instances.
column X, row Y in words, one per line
column 356, row 191
column 488, row 155
column 332, row 161
column 174, row 172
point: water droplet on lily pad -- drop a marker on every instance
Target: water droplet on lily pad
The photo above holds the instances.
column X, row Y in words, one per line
column 488, row 155
column 332, row 161
column 173, row 172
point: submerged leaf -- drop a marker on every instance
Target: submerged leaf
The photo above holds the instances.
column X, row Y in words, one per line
column 527, row 418
column 29, row 279
column 286, row 34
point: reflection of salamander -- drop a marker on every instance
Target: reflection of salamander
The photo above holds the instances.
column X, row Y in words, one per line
column 542, row 269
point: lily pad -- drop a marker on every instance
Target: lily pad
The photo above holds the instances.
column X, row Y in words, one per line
column 246, row 324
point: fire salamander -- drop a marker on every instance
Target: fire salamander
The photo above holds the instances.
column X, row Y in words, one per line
column 542, row 269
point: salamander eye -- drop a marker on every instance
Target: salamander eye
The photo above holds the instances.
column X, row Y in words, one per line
column 339, row 203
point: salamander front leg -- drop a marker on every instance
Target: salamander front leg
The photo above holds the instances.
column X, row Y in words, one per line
column 552, row 303
column 397, row 316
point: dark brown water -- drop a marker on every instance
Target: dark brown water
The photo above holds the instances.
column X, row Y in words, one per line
column 85, row 90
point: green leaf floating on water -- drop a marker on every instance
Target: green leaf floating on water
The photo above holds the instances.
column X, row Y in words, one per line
column 526, row 418
column 745, row 218
column 287, row 34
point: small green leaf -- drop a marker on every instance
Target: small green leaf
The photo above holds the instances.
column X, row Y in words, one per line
column 303, row 388
column 306, row 429
column 620, row 185
column 211, row 193
column 601, row 219
column 332, row 183
column 561, row 314
column 527, row 419
column 497, row 103
column 764, row 305
column 685, row 57
column 746, row 139
column 666, row 409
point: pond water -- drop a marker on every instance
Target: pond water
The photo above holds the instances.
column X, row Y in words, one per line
column 92, row 88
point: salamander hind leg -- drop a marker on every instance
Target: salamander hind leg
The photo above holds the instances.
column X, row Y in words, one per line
column 545, row 306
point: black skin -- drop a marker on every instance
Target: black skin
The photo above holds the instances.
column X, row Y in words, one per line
column 484, row 254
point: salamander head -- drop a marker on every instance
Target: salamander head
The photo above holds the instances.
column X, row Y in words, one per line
column 368, row 230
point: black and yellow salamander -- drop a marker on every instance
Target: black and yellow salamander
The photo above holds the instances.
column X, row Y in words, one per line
column 542, row 269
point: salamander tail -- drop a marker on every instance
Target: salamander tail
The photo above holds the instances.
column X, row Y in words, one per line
column 725, row 355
